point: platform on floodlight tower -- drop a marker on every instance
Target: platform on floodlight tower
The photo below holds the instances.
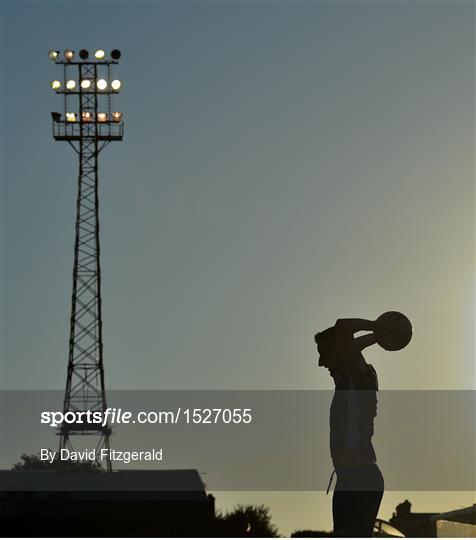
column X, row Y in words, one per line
column 71, row 131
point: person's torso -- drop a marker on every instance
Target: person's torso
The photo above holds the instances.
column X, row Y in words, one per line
column 353, row 409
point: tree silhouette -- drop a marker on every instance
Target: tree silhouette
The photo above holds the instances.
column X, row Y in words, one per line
column 311, row 534
column 247, row 521
column 32, row 462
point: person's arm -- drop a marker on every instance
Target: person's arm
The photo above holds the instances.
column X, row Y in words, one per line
column 367, row 340
column 354, row 325
column 344, row 332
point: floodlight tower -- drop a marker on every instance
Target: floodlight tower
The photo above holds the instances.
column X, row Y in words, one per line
column 88, row 123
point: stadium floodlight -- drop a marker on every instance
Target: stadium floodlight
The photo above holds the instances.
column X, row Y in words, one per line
column 55, row 85
column 116, row 84
column 68, row 55
column 115, row 54
column 101, row 84
column 88, row 130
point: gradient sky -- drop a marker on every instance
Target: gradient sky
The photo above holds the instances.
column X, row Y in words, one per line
column 284, row 164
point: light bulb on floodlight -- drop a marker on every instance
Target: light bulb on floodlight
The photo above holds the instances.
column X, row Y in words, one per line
column 87, row 116
column 83, row 54
column 71, row 117
column 55, row 85
column 68, row 55
column 115, row 54
column 99, row 54
column 53, row 55
column 117, row 116
column 85, row 84
column 102, row 117
column 71, row 85
column 102, row 84
column 116, row 84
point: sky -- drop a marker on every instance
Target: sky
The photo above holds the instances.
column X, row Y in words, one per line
column 284, row 164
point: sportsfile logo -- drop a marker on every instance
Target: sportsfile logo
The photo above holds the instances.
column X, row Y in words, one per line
column 111, row 415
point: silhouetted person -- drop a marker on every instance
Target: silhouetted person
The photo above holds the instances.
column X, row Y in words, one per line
column 360, row 485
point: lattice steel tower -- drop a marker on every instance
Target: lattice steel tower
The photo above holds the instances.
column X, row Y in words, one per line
column 88, row 123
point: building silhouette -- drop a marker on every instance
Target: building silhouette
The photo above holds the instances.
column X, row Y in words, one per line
column 457, row 523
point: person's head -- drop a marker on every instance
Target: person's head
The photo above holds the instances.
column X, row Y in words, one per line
column 326, row 347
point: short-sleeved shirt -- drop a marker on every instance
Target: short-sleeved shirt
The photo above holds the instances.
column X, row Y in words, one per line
column 354, row 407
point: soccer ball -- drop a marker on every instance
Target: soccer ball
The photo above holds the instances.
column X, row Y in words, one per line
column 393, row 331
